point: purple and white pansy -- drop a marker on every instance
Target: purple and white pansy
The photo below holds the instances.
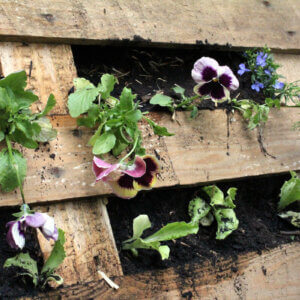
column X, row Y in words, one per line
column 16, row 229
column 213, row 80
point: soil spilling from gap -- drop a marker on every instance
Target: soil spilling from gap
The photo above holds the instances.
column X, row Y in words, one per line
column 259, row 226
column 12, row 286
column 150, row 70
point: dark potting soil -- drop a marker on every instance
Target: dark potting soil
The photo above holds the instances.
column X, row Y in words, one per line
column 12, row 286
column 150, row 70
column 259, row 226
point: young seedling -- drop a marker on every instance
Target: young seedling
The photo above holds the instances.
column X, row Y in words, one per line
column 169, row 232
column 290, row 193
column 220, row 208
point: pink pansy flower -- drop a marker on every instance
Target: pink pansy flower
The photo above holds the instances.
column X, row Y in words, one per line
column 213, row 80
column 16, row 229
column 125, row 180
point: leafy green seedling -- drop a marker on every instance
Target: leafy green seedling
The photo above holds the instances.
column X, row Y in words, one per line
column 29, row 265
column 169, row 232
column 116, row 119
column 18, row 124
column 186, row 103
column 290, row 193
column 220, row 208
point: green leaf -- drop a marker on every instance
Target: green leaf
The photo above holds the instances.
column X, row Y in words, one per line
column 24, row 261
column 126, row 99
column 159, row 130
column 108, row 82
column 231, row 193
column 227, row 222
column 56, row 257
column 15, row 81
column 8, row 174
column 20, row 137
column 194, row 112
column 198, row 209
column 92, row 117
column 292, row 217
column 290, row 191
column 82, row 83
column 4, row 98
column 2, row 136
column 50, row 104
column 215, row 194
column 134, row 116
column 162, row 100
column 46, row 133
column 104, row 143
column 82, row 99
column 164, row 252
column 140, row 224
column 56, row 278
column 179, row 90
column 173, row 231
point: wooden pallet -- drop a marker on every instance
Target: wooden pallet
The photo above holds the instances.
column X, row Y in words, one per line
column 225, row 148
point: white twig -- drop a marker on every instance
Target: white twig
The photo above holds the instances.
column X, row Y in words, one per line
column 108, row 281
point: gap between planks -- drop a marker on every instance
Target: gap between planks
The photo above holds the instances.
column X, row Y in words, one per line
column 235, row 23
column 274, row 274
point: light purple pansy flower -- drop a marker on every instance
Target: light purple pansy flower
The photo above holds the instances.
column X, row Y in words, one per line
column 278, row 85
column 242, row 69
column 16, row 232
column 261, row 59
column 213, row 80
column 268, row 72
column 257, row 86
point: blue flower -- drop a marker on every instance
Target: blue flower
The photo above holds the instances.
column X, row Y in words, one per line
column 242, row 69
column 261, row 59
column 278, row 85
column 257, row 86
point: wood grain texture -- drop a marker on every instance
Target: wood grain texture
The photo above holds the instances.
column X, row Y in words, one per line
column 241, row 23
column 212, row 147
column 273, row 275
column 50, row 69
column 90, row 244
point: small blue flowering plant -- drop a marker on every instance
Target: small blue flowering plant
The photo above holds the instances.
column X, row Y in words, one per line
column 261, row 66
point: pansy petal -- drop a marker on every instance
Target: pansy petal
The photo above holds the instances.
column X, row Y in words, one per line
column 152, row 164
column 203, row 88
column 227, row 78
column 101, row 163
column 48, row 227
column 205, row 69
column 36, row 220
column 15, row 237
column 123, row 187
column 100, row 173
column 219, row 93
column 137, row 169
column 145, row 182
column 53, row 236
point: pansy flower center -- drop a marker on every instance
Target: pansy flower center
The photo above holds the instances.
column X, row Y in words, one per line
column 215, row 79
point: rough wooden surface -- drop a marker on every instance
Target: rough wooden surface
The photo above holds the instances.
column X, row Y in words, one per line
column 90, row 244
column 212, row 147
column 50, row 69
column 241, row 23
column 273, row 275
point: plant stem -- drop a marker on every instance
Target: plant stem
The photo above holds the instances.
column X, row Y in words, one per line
column 12, row 160
column 131, row 151
column 188, row 100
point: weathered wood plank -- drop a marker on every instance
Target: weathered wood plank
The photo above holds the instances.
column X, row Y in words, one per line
column 50, row 69
column 90, row 244
column 240, row 23
column 201, row 151
column 273, row 275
